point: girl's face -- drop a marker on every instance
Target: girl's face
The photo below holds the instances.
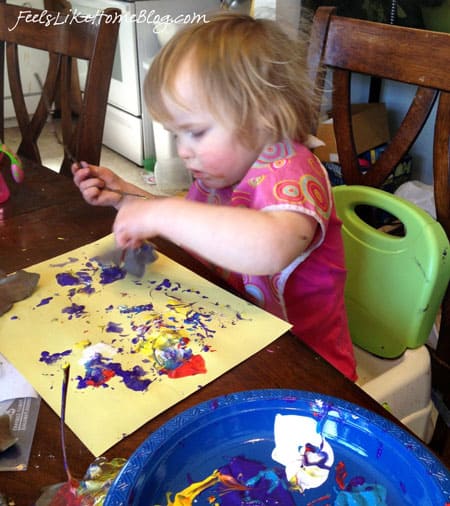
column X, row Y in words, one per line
column 209, row 148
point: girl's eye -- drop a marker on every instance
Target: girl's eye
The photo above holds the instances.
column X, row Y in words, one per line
column 197, row 134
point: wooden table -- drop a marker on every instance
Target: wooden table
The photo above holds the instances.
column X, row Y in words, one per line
column 45, row 217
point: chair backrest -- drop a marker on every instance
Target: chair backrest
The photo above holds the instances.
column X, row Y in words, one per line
column 395, row 284
column 65, row 40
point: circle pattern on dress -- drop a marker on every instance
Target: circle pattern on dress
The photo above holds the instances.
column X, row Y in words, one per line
column 274, row 153
column 255, row 293
column 288, row 191
column 316, row 194
column 274, row 284
column 255, row 181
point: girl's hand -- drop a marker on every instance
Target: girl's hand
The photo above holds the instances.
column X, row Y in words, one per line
column 93, row 181
column 135, row 222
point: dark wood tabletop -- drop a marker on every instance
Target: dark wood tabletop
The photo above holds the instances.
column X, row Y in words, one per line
column 46, row 216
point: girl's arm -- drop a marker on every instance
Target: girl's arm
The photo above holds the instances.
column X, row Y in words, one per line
column 239, row 239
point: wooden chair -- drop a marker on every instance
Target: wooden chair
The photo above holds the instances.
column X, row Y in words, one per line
column 64, row 42
column 420, row 58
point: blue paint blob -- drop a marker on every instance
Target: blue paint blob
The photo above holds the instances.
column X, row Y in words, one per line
column 364, row 495
column 136, row 309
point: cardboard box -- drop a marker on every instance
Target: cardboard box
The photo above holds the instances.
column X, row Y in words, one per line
column 370, row 128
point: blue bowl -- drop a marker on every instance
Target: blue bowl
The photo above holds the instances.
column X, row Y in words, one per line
column 370, row 454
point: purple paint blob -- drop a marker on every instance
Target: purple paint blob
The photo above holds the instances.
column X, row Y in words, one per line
column 315, row 456
column 261, row 485
column 44, row 301
column 52, row 358
column 73, row 279
column 99, row 370
column 88, row 290
column 114, row 327
column 111, row 274
column 166, row 283
column 356, row 481
column 75, row 310
column 196, row 321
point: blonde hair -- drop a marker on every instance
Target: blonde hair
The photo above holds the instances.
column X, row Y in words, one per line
column 249, row 72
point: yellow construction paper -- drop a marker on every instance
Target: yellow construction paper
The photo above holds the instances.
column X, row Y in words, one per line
column 126, row 337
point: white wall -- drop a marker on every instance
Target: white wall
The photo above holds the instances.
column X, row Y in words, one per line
column 398, row 97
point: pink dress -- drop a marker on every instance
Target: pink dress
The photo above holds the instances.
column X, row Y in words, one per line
column 309, row 293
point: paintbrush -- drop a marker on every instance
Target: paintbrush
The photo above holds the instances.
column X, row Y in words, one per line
column 97, row 480
column 126, row 194
column 66, row 149
column 64, row 390
column 62, row 494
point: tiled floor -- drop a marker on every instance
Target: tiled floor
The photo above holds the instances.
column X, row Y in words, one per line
column 52, row 153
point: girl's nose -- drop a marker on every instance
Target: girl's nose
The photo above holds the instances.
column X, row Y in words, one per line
column 183, row 149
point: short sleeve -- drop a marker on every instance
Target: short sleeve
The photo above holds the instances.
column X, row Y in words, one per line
column 295, row 182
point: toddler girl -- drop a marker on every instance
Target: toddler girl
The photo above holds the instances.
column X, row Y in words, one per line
column 235, row 92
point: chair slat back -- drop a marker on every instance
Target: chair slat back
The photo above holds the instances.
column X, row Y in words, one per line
column 65, row 40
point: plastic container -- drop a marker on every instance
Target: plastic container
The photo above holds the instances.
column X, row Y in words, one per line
column 171, row 176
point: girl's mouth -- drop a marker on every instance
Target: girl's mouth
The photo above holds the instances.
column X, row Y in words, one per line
column 197, row 174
